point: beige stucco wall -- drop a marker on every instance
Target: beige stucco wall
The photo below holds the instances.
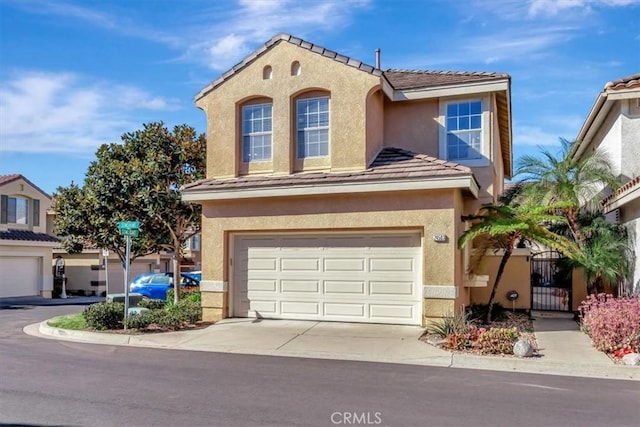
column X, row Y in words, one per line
column 428, row 212
column 516, row 277
column 348, row 88
column 412, row 125
column 21, row 188
column 375, row 124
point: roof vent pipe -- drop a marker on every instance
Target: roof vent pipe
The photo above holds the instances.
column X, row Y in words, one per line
column 378, row 58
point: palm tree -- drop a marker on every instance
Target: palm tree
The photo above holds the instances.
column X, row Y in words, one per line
column 562, row 179
column 503, row 226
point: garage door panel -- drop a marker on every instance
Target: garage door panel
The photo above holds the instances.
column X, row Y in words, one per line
column 289, row 286
column 344, row 287
column 299, row 264
column 391, row 288
column 262, row 264
column 391, row 264
column 362, row 278
column 344, row 264
column 300, row 307
column 345, row 310
column 387, row 311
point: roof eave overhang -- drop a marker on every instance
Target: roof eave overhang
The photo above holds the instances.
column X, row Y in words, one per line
column 459, row 89
column 622, row 199
column 465, row 182
column 38, row 243
column 597, row 115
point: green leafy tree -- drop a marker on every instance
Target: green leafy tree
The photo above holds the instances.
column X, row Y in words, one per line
column 138, row 179
column 505, row 225
column 558, row 178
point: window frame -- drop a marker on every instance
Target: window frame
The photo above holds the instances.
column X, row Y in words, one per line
column 12, row 210
column 484, row 149
column 304, row 154
column 247, row 158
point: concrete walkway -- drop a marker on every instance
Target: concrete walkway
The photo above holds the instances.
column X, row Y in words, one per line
column 564, row 350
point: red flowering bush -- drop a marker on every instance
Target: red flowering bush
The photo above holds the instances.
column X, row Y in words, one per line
column 612, row 323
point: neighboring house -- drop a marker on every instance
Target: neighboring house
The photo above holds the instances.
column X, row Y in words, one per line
column 25, row 246
column 613, row 124
column 335, row 190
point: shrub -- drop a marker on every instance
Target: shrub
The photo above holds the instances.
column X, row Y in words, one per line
column 479, row 312
column 449, row 325
column 152, row 304
column 104, row 315
column 186, row 310
column 140, row 321
column 612, row 323
column 187, row 293
column 497, row 341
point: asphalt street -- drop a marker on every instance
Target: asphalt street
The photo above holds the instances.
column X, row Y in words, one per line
column 48, row 382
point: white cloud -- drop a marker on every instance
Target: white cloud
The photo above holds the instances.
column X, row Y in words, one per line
column 223, row 44
column 555, row 7
column 546, row 131
column 65, row 112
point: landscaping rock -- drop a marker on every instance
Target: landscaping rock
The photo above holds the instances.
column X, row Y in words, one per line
column 522, row 348
column 631, row 359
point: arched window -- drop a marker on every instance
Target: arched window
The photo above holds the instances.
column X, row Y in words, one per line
column 295, row 68
column 312, row 125
column 257, row 130
column 267, row 72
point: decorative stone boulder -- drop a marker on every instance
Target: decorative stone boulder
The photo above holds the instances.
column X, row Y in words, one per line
column 523, row 348
column 632, row 359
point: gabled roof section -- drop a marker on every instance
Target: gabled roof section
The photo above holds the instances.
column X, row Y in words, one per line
column 26, row 235
column 623, row 88
column 6, row 179
column 391, row 166
column 416, row 79
column 282, row 37
column 624, row 83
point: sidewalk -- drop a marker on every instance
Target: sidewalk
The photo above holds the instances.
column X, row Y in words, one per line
column 564, row 349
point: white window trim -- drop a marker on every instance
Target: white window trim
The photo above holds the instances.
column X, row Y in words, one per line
column 250, row 134
column 485, row 134
column 27, row 207
column 328, row 128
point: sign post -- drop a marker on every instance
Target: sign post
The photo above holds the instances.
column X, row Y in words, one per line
column 105, row 257
column 129, row 229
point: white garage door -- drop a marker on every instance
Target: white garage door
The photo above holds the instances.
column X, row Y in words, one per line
column 352, row 278
column 19, row 276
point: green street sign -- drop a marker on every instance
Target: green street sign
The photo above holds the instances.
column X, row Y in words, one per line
column 128, row 225
column 132, row 233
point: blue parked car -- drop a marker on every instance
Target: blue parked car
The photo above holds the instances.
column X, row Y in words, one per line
column 197, row 275
column 156, row 285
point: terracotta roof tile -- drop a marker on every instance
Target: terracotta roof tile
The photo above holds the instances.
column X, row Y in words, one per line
column 390, row 164
column 26, row 235
column 632, row 184
column 414, row 79
column 624, row 83
column 5, row 179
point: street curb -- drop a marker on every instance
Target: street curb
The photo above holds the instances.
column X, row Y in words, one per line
column 447, row 360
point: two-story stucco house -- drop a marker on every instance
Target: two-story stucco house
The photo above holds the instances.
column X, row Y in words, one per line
column 25, row 246
column 613, row 124
column 334, row 189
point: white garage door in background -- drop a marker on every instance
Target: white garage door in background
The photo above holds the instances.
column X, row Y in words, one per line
column 19, row 276
column 349, row 278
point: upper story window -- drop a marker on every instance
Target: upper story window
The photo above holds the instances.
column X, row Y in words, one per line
column 15, row 210
column 464, row 130
column 256, row 133
column 313, row 127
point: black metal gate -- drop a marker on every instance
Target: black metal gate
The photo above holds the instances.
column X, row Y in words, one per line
column 551, row 282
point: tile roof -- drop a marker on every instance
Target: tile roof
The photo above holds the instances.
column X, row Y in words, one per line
column 390, row 164
column 295, row 41
column 414, row 79
column 5, row 179
column 624, row 83
column 630, row 185
column 26, row 235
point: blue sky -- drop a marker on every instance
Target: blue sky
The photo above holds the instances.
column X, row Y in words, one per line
column 76, row 74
